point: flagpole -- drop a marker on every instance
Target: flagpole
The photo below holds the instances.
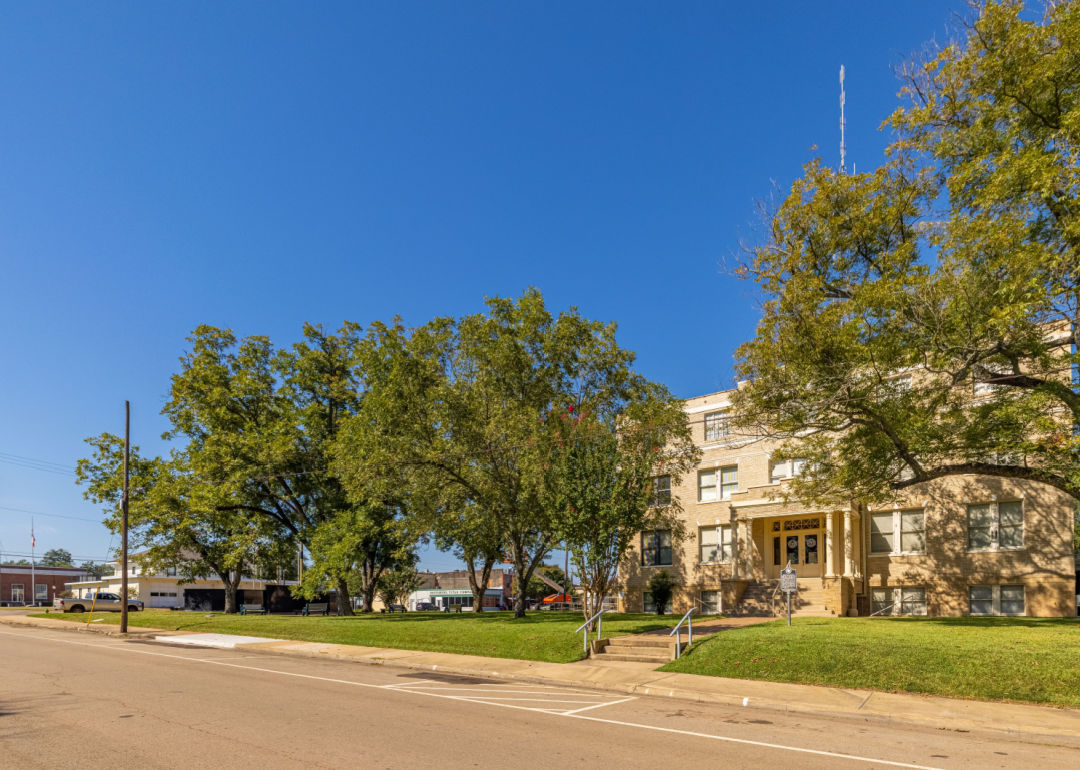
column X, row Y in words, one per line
column 33, row 574
column 124, row 523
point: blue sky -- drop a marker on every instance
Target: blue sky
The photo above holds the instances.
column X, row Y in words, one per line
column 258, row 165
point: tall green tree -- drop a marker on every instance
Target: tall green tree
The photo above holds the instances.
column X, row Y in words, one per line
column 95, row 570
column 263, row 423
column 612, row 470
column 176, row 518
column 396, row 585
column 920, row 320
column 56, row 557
column 467, row 419
column 357, row 548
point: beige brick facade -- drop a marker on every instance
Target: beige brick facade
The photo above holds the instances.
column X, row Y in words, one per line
column 1009, row 540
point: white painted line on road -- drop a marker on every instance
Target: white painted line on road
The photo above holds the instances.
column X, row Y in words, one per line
column 393, row 686
column 122, row 647
column 598, row 705
column 491, row 698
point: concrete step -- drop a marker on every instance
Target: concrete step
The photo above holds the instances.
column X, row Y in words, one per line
column 640, row 641
column 632, row 658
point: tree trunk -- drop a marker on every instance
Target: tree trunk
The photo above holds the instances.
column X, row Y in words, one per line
column 345, row 599
column 367, row 594
column 232, row 585
column 479, row 587
column 522, row 580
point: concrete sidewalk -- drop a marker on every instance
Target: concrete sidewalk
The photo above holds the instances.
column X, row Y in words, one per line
column 1026, row 722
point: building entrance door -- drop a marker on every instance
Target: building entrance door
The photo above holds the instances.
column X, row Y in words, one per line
column 804, row 548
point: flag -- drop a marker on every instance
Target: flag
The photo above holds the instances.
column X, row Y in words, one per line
column 33, row 541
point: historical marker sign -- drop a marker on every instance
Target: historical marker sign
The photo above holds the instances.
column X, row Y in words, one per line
column 788, row 580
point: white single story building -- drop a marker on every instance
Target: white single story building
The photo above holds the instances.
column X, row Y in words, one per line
column 454, row 597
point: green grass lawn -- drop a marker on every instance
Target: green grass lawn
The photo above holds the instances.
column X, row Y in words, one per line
column 545, row 636
column 1017, row 659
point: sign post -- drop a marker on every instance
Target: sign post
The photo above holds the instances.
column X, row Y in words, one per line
column 788, row 584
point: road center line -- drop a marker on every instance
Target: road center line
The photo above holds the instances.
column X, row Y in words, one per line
column 412, row 691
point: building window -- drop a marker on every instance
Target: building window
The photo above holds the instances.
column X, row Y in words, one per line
column 898, row 601
column 710, row 602
column 718, row 483
column 912, row 601
column 787, row 469
column 656, row 548
column 661, row 491
column 881, row 532
column 648, row 605
column 898, row 532
column 41, row 592
column 729, row 481
column 717, row 426
column 707, row 486
column 996, row 600
column 981, row 600
column 995, row 525
column 715, row 543
column 880, row 601
column 17, row 594
column 1012, row 600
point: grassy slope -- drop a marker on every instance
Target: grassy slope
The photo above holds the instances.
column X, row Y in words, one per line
column 1020, row 659
column 546, row 636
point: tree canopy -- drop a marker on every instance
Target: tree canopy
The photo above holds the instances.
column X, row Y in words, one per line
column 57, row 557
column 920, row 319
column 458, row 409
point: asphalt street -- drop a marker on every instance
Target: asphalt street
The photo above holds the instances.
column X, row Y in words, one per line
column 80, row 700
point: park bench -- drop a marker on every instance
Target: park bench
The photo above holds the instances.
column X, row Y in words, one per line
column 451, row 608
column 252, row 608
column 395, row 608
column 316, row 608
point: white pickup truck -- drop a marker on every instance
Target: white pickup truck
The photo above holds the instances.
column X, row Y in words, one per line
column 105, row 602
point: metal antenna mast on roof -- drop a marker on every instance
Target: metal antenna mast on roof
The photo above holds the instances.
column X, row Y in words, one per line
column 843, row 149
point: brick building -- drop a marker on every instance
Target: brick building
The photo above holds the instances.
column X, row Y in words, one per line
column 963, row 545
column 16, row 579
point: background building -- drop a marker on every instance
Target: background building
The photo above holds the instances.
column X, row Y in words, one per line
column 962, row 545
column 16, row 581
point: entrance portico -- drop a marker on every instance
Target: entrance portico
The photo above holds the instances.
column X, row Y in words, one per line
column 821, row 545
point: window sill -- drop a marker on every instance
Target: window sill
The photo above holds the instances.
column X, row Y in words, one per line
column 1010, row 549
column 713, row 563
column 649, row 566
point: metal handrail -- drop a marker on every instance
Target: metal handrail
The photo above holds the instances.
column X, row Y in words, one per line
column 587, row 623
column 689, row 632
column 886, row 607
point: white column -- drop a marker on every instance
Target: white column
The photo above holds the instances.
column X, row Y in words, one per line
column 849, row 542
column 830, row 565
column 736, row 548
column 744, row 538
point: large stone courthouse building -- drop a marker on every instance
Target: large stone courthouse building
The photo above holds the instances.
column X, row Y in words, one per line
column 965, row 545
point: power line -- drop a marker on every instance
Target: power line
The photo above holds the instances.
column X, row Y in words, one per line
column 38, row 461
column 21, row 554
column 53, row 515
column 34, row 465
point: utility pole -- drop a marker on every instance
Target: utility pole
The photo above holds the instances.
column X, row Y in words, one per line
column 124, row 523
column 33, row 560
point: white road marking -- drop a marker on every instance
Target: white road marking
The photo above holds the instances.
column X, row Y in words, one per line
column 598, row 705
column 637, row 725
column 494, row 692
